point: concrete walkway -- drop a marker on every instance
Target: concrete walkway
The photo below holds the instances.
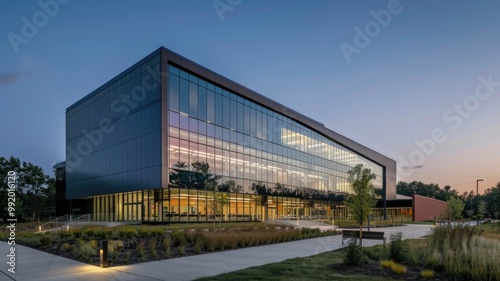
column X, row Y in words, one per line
column 40, row 266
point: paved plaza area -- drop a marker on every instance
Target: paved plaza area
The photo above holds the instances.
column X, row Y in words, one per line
column 40, row 266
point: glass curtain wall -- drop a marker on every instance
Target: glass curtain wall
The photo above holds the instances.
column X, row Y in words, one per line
column 248, row 143
column 257, row 158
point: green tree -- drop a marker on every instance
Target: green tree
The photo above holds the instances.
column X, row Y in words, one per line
column 496, row 200
column 35, row 193
column 198, row 177
column 230, row 186
column 216, row 205
column 260, row 188
column 482, row 209
column 470, row 203
column 362, row 200
column 179, row 175
column 454, row 208
column 429, row 190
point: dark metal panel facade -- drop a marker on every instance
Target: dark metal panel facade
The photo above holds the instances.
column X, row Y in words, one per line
column 113, row 135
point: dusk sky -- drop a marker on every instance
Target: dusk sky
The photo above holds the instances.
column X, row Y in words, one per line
column 418, row 81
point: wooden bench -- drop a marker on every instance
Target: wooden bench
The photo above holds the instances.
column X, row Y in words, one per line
column 354, row 234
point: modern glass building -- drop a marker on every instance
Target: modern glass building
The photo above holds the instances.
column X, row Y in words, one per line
column 167, row 138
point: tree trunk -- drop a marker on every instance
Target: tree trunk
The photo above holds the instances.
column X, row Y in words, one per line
column 361, row 235
column 214, row 223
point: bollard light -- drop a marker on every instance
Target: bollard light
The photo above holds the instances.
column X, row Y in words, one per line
column 103, row 254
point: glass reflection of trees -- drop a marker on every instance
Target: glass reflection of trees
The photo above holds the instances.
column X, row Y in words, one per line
column 198, row 176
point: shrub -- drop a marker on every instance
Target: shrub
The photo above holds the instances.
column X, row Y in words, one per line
column 398, row 249
column 65, row 247
column 166, row 244
column 220, row 243
column 77, row 234
column 210, row 243
column 192, row 236
column 452, row 236
column 33, row 242
column 114, row 245
column 182, row 250
column 426, row 274
column 85, row 251
column 103, row 233
column 144, row 233
column 393, row 266
column 140, row 251
column 157, row 232
column 386, row 264
column 198, row 246
column 463, row 255
column 113, row 235
column 86, row 233
column 354, row 255
column 398, row 268
column 45, row 240
column 152, row 247
column 179, row 239
column 127, row 233
column 128, row 255
column 375, row 253
column 232, row 242
column 66, row 234
column 94, row 244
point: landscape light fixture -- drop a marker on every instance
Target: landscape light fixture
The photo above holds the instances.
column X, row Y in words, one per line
column 103, row 254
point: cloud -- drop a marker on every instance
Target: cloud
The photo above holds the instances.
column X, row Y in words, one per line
column 9, row 77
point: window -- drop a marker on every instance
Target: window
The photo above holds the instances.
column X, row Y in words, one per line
column 210, row 106
column 234, row 115
column 226, row 112
column 173, row 92
column 202, row 103
column 218, row 110
column 184, row 96
column 241, row 117
column 173, row 119
column 247, row 120
column 193, row 99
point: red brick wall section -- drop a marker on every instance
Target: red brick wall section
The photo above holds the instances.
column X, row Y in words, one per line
column 425, row 206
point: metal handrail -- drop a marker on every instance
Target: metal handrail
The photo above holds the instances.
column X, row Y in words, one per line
column 57, row 222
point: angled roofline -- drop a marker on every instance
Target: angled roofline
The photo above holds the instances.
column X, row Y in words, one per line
column 114, row 79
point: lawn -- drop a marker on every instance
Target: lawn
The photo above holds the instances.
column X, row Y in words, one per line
column 310, row 268
column 325, row 266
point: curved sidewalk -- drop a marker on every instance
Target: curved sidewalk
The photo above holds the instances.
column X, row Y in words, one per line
column 37, row 265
